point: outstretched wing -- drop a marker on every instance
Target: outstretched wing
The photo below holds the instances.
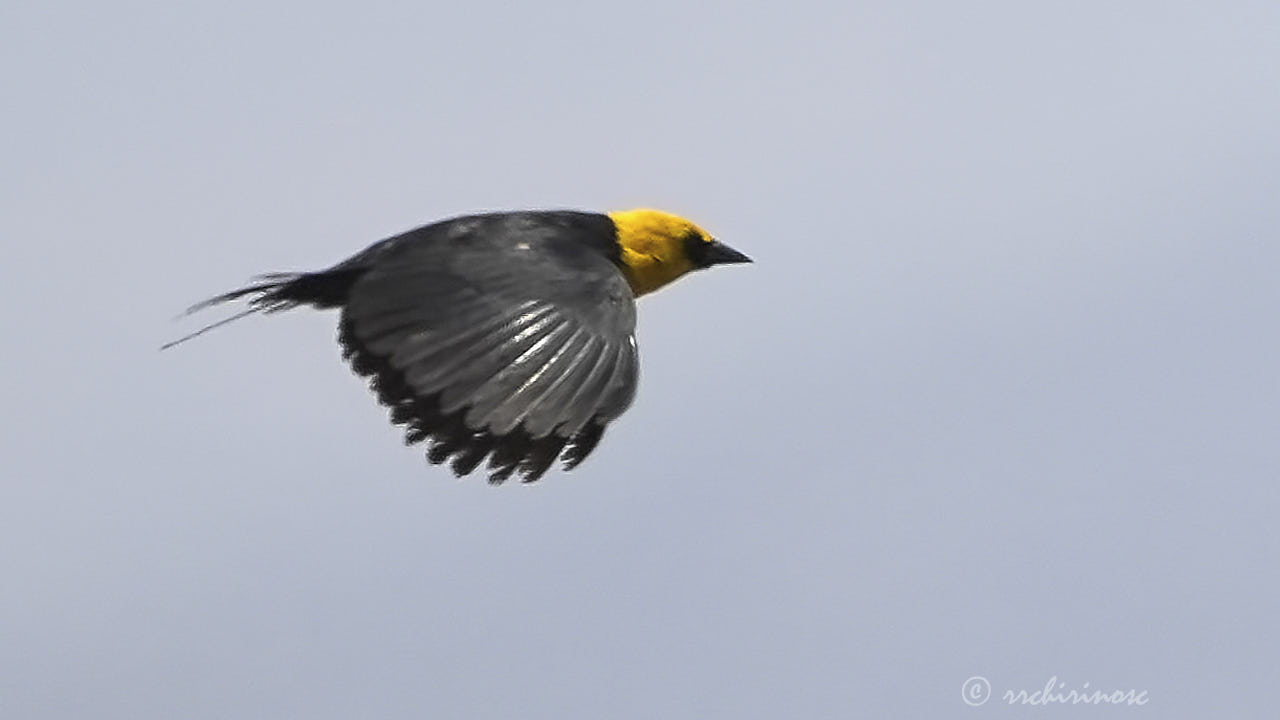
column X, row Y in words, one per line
column 521, row 352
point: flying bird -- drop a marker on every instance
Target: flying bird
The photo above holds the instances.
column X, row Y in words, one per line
column 508, row 335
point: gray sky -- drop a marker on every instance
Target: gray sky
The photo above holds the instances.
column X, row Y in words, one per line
column 999, row 396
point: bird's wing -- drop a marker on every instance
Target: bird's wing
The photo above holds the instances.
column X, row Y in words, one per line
column 521, row 354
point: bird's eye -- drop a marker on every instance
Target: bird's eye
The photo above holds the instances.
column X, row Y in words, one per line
column 695, row 248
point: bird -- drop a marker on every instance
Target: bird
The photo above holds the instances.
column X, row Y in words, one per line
column 502, row 335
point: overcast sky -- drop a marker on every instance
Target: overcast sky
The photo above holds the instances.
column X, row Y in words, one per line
column 998, row 397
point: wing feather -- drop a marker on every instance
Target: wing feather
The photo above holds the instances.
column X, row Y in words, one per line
column 516, row 407
column 517, row 358
column 430, row 363
column 585, row 404
column 513, row 387
column 462, row 386
column 550, row 411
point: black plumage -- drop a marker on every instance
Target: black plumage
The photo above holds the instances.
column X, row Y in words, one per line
column 507, row 336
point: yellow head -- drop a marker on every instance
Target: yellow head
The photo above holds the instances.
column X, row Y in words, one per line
column 658, row 247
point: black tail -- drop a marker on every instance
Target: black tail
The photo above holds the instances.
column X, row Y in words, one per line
column 280, row 291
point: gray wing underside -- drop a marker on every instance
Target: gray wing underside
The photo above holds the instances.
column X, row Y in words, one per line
column 521, row 364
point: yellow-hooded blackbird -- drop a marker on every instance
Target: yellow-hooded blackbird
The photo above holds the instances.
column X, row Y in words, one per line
column 506, row 335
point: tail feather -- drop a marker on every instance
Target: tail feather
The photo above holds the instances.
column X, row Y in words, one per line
column 265, row 291
column 207, row 328
column 276, row 292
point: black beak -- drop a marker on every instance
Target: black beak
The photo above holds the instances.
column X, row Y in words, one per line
column 717, row 253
